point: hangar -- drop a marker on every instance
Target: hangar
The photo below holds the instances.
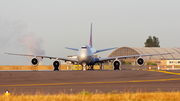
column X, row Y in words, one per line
column 159, row 59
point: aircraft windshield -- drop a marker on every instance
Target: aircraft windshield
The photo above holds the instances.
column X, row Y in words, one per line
column 84, row 47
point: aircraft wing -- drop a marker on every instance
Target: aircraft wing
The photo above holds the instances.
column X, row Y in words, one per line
column 105, row 49
column 130, row 56
column 44, row 56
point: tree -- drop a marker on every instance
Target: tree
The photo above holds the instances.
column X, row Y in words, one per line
column 152, row 42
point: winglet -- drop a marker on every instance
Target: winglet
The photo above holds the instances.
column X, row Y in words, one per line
column 90, row 41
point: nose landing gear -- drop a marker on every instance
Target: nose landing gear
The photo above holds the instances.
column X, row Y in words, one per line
column 84, row 66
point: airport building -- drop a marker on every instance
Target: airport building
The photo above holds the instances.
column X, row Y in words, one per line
column 158, row 59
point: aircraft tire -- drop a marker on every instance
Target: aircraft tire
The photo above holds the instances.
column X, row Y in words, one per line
column 84, row 68
column 56, row 69
column 116, row 68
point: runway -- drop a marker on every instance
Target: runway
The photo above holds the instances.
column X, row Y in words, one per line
column 54, row 82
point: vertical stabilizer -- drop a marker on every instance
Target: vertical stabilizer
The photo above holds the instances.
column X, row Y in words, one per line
column 90, row 41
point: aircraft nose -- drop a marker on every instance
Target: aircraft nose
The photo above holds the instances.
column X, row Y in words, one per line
column 82, row 58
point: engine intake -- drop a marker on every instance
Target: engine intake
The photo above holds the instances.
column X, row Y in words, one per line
column 34, row 61
column 56, row 65
column 117, row 64
column 140, row 61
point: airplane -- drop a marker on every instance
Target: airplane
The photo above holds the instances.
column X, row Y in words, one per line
column 85, row 57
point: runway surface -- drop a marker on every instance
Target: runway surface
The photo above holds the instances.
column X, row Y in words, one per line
column 54, row 82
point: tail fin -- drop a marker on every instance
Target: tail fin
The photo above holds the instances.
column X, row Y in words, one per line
column 90, row 41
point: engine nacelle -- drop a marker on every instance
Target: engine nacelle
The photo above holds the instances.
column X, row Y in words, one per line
column 34, row 61
column 117, row 64
column 56, row 65
column 140, row 61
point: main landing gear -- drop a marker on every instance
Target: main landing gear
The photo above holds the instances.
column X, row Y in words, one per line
column 90, row 67
column 102, row 66
column 87, row 67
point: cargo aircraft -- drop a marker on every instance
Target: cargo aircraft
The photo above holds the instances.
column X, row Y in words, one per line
column 86, row 59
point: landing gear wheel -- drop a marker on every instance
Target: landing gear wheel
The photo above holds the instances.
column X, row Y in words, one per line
column 56, row 69
column 88, row 68
column 117, row 68
column 92, row 67
column 84, row 66
column 56, row 65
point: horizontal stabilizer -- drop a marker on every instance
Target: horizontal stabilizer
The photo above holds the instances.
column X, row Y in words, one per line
column 71, row 48
column 105, row 49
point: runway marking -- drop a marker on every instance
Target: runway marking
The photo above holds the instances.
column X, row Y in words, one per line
column 135, row 81
column 108, row 82
column 165, row 72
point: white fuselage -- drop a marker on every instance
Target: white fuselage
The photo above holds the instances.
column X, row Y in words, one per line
column 85, row 55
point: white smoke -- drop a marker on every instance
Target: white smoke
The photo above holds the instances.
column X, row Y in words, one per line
column 32, row 44
column 14, row 35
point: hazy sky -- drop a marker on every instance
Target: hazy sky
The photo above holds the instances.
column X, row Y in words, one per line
column 47, row 26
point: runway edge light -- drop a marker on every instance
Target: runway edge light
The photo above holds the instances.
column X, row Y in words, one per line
column 7, row 92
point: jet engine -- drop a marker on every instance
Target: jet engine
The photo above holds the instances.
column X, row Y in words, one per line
column 34, row 61
column 140, row 61
column 117, row 64
column 56, row 65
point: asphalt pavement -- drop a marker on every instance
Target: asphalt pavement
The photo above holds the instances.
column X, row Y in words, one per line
column 99, row 81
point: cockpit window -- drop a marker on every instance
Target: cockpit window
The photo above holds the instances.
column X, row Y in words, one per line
column 84, row 47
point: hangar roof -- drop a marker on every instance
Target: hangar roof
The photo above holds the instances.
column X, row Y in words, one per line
column 123, row 51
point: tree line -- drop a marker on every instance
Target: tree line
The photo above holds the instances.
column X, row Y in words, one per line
column 152, row 42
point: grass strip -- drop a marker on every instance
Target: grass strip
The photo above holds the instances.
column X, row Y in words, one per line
column 86, row 96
